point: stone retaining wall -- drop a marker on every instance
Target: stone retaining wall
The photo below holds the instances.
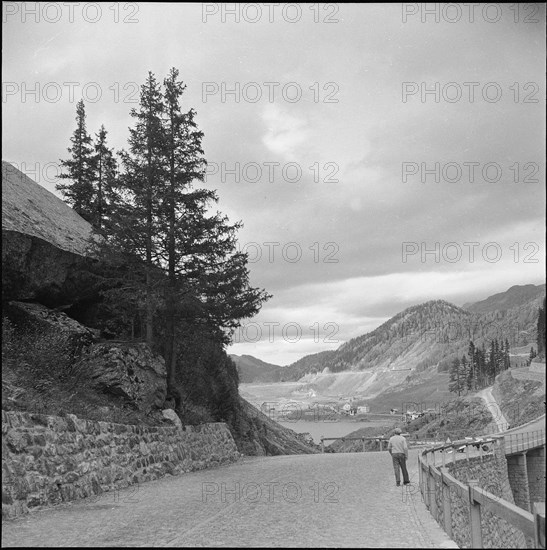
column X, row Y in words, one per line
column 491, row 473
column 49, row 459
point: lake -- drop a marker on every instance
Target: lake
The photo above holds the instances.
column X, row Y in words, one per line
column 292, row 397
column 340, row 428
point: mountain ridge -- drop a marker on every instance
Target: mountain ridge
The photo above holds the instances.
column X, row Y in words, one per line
column 421, row 338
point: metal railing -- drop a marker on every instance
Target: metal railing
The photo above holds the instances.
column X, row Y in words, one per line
column 519, row 442
column 380, row 441
column 431, row 476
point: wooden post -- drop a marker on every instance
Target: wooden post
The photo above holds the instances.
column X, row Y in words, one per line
column 427, row 488
column 474, row 516
column 420, row 475
column 433, row 496
column 539, row 523
column 322, row 445
column 447, row 506
column 363, row 440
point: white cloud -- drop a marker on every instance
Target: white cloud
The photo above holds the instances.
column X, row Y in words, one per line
column 285, row 133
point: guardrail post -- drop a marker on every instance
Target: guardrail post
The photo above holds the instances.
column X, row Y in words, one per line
column 420, row 474
column 322, row 445
column 539, row 524
column 447, row 506
column 433, row 495
column 474, row 516
column 427, row 488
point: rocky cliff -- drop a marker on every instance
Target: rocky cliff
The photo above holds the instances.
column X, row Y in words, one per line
column 43, row 243
column 54, row 359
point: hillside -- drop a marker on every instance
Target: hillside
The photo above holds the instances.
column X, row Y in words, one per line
column 514, row 297
column 423, row 336
column 407, row 358
column 250, row 369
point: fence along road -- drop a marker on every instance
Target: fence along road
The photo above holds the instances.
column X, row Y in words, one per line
column 435, row 479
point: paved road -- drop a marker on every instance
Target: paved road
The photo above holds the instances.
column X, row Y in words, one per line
column 330, row 500
column 494, row 408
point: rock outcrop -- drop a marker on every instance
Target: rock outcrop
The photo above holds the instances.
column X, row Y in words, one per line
column 44, row 243
column 128, row 370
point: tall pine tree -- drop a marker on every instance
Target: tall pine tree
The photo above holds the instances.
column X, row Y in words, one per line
column 144, row 178
column 79, row 191
column 541, row 331
column 105, row 166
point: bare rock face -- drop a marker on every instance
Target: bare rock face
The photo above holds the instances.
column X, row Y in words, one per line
column 44, row 243
column 129, row 370
column 39, row 317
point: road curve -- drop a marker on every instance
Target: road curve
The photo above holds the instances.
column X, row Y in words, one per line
column 494, row 409
column 326, row 500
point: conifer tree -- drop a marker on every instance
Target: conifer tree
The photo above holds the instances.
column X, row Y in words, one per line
column 183, row 258
column 471, row 373
column 105, row 166
column 456, row 377
column 203, row 265
column 506, row 356
column 79, row 192
column 541, row 331
column 144, row 179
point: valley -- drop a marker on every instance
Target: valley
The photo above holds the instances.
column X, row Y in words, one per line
column 403, row 365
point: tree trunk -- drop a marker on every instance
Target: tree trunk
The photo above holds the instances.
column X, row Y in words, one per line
column 171, row 362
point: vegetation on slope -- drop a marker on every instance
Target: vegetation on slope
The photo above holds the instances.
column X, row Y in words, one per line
column 455, row 419
column 520, row 400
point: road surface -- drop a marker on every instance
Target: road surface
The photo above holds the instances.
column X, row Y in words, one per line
column 494, row 408
column 325, row 500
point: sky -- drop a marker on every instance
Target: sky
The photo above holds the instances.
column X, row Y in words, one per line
column 378, row 155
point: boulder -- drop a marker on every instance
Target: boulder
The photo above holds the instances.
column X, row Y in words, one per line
column 129, row 370
column 171, row 415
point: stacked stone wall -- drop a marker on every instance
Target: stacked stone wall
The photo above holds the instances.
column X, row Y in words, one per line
column 492, row 476
column 49, row 460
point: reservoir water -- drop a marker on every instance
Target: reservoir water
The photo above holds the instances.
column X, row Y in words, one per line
column 291, row 397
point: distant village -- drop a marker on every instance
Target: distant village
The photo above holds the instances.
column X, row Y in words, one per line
column 296, row 410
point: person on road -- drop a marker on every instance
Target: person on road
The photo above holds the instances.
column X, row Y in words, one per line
column 398, row 449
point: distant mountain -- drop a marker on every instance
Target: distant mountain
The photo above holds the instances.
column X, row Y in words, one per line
column 421, row 339
column 409, row 350
column 420, row 336
column 251, row 369
column 516, row 296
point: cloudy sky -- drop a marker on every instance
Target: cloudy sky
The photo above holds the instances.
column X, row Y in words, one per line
column 379, row 156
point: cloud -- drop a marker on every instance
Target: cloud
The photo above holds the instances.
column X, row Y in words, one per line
column 285, row 132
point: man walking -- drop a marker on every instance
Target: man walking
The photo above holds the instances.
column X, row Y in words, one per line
column 398, row 449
